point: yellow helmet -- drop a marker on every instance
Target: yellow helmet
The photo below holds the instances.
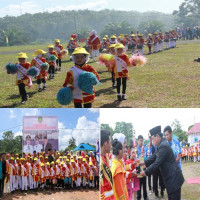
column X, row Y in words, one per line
column 67, row 160
column 50, row 46
column 84, row 159
column 35, row 159
column 113, row 37
column 80, row 157
column 48, row 163
column 80, row 50
column 62, row 163
column 133, row 35
column 42, row 164
column 57, row 40
column 72, row 161
column 64, row 157
column 52, row 163
column 11, row 158
column 139, row 35
column 149, row 34
column 39, row 51
column 22, row 55
column 90, row 163
column 112, row 46
column 104, row 38
column 119, row 46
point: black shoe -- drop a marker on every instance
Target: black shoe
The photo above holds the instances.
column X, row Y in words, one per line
column 49, row 78
column 40, row 90
column 119, row 98
column 59, row 69
column 44, row 87
column 52, row 77
column 124, row 97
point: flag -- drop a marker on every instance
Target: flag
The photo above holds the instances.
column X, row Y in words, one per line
column 97, row 151
column 7, row 43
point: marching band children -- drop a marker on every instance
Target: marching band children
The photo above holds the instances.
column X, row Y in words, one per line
column 58, row 47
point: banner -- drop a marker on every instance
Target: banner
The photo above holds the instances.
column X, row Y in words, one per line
column 40, row 132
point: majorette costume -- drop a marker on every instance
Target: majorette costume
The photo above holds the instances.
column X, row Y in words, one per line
column 37, row 61
column 58, row 47
column 71, row 80
column 95, row 44
column 133, row 44
column 150, row 42
column 140, row 44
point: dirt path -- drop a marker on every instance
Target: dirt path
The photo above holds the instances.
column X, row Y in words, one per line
column 55, row 195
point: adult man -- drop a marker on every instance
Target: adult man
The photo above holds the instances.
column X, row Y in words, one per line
column 143, row 181
column 28, row 148
column 105, row 172
column 37, row 147
column 164, row 160
column 174, row 144
column 95, row 44
column 46, row 145
column 50, row 157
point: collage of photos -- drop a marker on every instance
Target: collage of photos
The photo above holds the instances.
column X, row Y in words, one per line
column 100, row 100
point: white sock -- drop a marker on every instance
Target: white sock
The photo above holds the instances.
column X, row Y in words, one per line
column 39, row 86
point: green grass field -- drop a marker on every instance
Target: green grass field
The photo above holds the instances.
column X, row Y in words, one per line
column 169, row 79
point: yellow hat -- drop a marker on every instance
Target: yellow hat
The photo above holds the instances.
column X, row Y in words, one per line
column 67, row 160
column 80, row 157
column 17, row 158
column 139, row 35
column 42, row 164
column 35, row 159
column 60, row 157
column 48, row 163
column 62, row 163
column 46, row 157
column 149, row 34
column 72, row 161
column 50, row 46
column 58, row 153
column 57, row 40
column 84, row 159
column 57, row 161
column 112, row 46
column 113, row 37
column 11, row 158
column 71, row 38
column 64, row 157
column 52, row 163
column 104, row 38
column 41, row 156
column 39, row 51
column 16, row 154
column 72, row 157
column 22, row 55
column 31, row 158
column 119, row 46
column 87, row 156
column 90, row 163
column 80, row 50
column 68, row 154
column 133, row 35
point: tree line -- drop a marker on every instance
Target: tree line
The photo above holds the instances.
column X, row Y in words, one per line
column 45, row 27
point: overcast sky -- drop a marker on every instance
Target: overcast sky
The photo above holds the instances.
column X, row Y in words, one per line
column 143, row 119
column 82, row 124
column 12, row 7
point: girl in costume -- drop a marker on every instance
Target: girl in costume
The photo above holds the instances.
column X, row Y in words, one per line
column 80, row 57
column 37, row 61
column 120, row 68
column 133, row 184
column 58, row 47
column 23, row 79
column 118, row 173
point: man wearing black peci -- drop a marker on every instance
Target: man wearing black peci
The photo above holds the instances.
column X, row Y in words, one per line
column 164, row 160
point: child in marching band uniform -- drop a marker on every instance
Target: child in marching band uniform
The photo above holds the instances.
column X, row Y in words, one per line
column 73, row 172
column 79, row 172
column 37, row 61
column 71, row 46
column 42, row 176
column 140, row 44
column 104, row 45
column 155, row 44
column 121, row 70
column 150, row 42
column 53, row 175
column 23, row 79
column 133, row 44
column 161, row 39
column 18, row 174
column 58, row 47
column 52, row 61
column 113, row 40
column 35, row 172
column 84, row 172
column 166, row 40
column 62, row 173
column 30, row 173
column 80, row 57
column 24, row 174
column 48, row 175
column 112, row 51
column 67, row 174
column 57, row 165
column 12, row 173
column 91, row 175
